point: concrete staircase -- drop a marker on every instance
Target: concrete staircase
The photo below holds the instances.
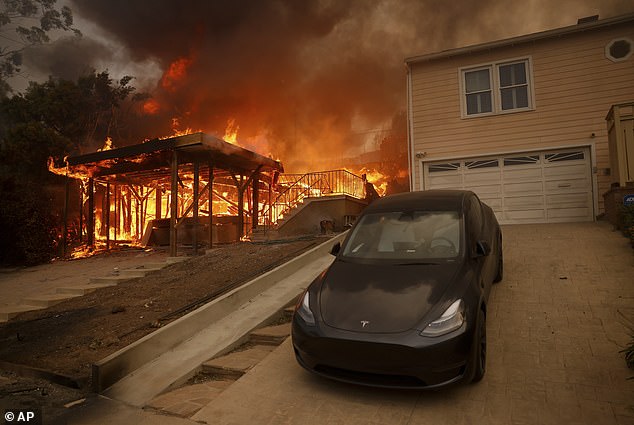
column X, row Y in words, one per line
column 224, row 370
column 39, row 302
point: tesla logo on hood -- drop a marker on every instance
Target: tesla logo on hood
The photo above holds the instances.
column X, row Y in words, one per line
column 364, row 323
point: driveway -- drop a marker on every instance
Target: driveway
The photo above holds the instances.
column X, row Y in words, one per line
column 556, row 324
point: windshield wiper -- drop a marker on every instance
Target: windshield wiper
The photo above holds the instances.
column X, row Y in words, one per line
column 418, row 263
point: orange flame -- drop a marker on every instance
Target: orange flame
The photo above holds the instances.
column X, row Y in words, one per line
column 176, row 72
column 107, row 145
column 151, row 107
column 231, row 132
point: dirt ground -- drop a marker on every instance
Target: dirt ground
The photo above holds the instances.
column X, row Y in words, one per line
column 67, row 338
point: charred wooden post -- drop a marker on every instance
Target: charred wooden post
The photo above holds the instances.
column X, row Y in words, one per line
column 211, row 205
column 174, row 204
column 159, row 200
column 81, row 211
column 107, row 212
column 241, row 188
column 90, row 226
column 128, row 205
column 65, row 230
column 116, row 211
column 256, row 201
column 195, row 212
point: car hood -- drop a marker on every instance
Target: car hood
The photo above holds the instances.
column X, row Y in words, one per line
column 382, row 298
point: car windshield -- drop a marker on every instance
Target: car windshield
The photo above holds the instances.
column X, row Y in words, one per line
column 414, row 235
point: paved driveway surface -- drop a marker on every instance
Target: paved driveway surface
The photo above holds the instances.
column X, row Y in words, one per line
column 556, row 324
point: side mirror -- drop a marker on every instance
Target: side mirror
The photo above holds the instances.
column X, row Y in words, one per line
column 335, row 249
column 482, row 249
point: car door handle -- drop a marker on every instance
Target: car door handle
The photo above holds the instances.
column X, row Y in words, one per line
column 564, row 185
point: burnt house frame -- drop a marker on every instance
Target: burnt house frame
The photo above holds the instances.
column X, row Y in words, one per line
column 160, row 163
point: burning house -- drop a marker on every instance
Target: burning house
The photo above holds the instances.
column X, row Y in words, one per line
column 197, row 189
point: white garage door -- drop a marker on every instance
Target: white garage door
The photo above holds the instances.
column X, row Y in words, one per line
column 539, row 187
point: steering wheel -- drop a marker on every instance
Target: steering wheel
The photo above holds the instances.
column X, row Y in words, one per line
column 448, row 248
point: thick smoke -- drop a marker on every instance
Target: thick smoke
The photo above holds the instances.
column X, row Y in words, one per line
column 304, row 80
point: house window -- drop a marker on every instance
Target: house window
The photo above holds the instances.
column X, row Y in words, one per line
column 478, row 91
column 513, row 86
column 497, row 88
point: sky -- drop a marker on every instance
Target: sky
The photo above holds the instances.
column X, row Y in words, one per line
column 299, row 80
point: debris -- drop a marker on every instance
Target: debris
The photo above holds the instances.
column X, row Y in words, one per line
column 74, row 403
column 117, row 309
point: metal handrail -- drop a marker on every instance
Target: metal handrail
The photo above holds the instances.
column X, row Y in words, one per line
column 316, row 184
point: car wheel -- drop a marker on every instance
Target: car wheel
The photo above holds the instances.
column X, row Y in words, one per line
column 480, row 358
column 500, row 273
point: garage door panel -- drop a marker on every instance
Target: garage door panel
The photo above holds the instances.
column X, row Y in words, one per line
column 523, row 188
column 494, row 203
column 558, row 170
column 487, row 190
column 524, row 202
column 552, row 186
column 568, row 200
column 566, row 185
column 568, row 213
column 445, row 181
column 526, row 216
column 513, row 174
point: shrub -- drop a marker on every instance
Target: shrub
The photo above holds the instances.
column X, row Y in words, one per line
column 29, row 228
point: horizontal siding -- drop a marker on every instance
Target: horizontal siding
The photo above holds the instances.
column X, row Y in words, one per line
column 574, row 87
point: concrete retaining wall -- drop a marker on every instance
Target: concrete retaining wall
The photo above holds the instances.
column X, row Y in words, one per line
column 114, row 367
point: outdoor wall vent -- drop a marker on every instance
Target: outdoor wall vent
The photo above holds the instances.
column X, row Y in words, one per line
column 587, row 19
column 619, row 49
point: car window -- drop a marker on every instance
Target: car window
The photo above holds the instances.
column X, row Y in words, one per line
column 405, row 235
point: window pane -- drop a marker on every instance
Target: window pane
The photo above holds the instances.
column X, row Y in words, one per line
column 521, row 160
column 567, row 156
column 487, row 163
column 450, row 166
column 477, row 81
column 514, row 98
column 479, row 103
column 513, row 74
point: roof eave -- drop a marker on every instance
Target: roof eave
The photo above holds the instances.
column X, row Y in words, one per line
column 520, row 39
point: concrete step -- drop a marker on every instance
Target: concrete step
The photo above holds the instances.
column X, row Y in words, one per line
column 271, row 335
column 187, row 400
column 154, row 265
column 83, row 289
column 9, row 312
column 138, row 272
column 114, row 280
column 172, row 260
column 237, row 363
column 48, row 300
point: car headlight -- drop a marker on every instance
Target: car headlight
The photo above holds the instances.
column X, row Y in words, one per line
column 303, row 310
column 449, row 321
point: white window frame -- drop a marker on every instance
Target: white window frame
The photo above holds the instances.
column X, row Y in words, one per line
column 496, row 92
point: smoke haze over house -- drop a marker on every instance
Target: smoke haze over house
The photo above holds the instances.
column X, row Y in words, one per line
column 301, row 79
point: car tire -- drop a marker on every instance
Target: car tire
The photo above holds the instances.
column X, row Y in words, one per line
column 480, row 357
column 500, row 273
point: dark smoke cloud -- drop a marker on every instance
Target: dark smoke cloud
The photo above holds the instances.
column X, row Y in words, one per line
column 67, row 58
column 303, row 78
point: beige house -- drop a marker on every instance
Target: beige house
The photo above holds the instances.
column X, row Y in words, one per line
column 521, row 121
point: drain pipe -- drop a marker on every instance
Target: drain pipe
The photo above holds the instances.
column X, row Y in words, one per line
column 410, row 130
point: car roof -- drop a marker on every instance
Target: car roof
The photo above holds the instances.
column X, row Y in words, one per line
column 443, row 200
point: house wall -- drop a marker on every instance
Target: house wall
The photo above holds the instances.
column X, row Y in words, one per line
column 574, row 86
column 308, row 219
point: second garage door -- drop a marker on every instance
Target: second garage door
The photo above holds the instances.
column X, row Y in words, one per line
column 538, row 187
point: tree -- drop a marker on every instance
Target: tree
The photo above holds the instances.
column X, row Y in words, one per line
column 54, row 118
column 24, row 23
